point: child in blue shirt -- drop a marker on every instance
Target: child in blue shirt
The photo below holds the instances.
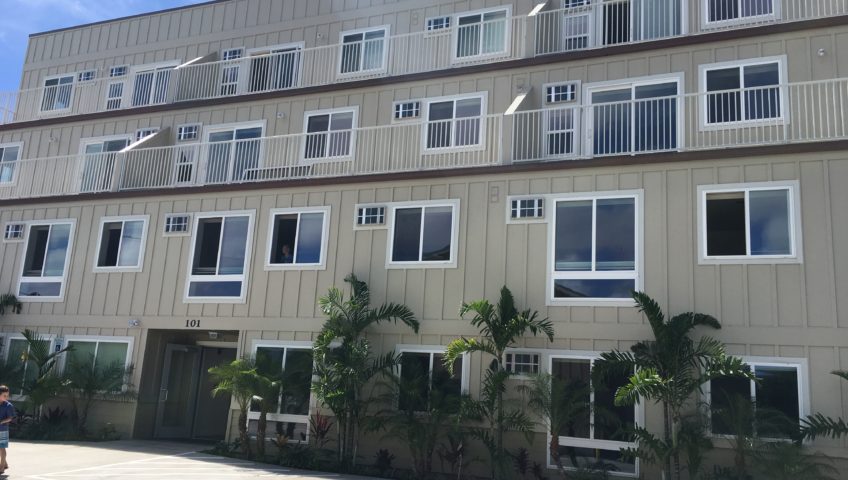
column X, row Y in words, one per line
column 7, row 415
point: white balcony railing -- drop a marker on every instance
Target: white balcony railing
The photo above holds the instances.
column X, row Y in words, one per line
column 776, row 115
column 578, row 25
column 585, row 24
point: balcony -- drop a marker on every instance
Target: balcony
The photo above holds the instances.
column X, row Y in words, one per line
column 460, row 40
column 776, row 115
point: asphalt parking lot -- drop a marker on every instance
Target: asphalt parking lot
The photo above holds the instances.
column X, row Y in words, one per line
column 138, row 460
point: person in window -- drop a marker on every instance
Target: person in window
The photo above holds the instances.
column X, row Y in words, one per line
column 286, row 254
column 7, row 415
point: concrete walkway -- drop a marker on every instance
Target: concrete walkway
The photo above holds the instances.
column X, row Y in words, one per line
column 138, row 460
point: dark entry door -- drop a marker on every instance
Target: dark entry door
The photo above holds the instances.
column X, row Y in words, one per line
column 178, row 392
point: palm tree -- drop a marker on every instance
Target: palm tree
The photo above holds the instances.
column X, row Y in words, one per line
column 668, row 369
column 266, row 391
column 560, row 404
column 46, row 383
column 238, row 379
column 788, row 461
column 500, row 326
column 344, row 364
column 820, row 426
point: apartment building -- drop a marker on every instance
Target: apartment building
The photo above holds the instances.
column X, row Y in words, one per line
column 178, row 188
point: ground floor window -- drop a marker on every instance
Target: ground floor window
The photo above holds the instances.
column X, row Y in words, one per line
column 292, row 365
column 20, row 371
column 598, row 429
column 774, row 402
column 425, row 381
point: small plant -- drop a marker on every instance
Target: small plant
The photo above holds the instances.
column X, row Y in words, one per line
column 539, row 471
column 46, row 383
column 10, row 302
column 108, row 433
column 320, row 427
column 383, row 460
column 522, row 461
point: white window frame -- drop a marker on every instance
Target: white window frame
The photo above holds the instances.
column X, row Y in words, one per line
column 430, row 30
column 785, row 115
column 206, row 149
column 370, row 226
column 154, row 67
column 801, row 366
column 85, row 142
column 139, row 266
column 399, row 105
column 795, row 230
column 7, row 339
column 244, row 277
column 330, row 111
column 609, row 445
column 391, row 210
column 165, row 231
column 16, row 164
column 44, row 88
column 269, row 51
column 740, row 20
column 523, row 220
column 425, row 122
column 521, row 351
column 198, row 132
column 455, row 28
column 325, row 233
column 284, row 417
column 637, row 274
column 384, row 65
column 575, row 84
column 632, row 83
column 80, row 74
column 6, row 230
column 98, row 339
column 432, row 350
column 118, row 67
column 63, row 280
column 143, row 133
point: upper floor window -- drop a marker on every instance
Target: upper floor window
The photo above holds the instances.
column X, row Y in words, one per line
column 597, row 429
column 424, row 234
column 119, row 71
column 14, row 231
column 298, row 237
column 234, row 153
column 426, row 383
column 438, row 23
column 329, row 134
column 275, row 68
column 776, row 399
column 639, row 115
column 455, row 122
column 482, row 34
column 143, row 133
column 99, row 160
column 87, row 76
column 120, row 246
column 230, row 71
column 114, row 95
column 186, row 133
column 407, row 110
column 596, row 245
column 522, row 363
column 219, row 257
column 730, row 11
column 749, row 222
column 150, row 85
column 527, row 208
column 177, row 224
column 561, row 92
column 363, row 50
column 46, row 259
column 370, row 215
column 9, row 156
column 57, row 93
column 745, row 91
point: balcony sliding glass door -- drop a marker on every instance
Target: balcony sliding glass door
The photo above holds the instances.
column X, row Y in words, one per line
column 634, row 118
column 98, row 164
column 232, row 154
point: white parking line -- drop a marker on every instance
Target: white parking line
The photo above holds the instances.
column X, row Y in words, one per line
column 186, row 465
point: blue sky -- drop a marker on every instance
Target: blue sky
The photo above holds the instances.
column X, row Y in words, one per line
column 22, row 17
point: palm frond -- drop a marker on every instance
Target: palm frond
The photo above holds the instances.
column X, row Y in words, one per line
column 461, row 346
column 818, row 425
column 652, row 311
column 645, row 383
column 843, row 374
column 393, row 312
